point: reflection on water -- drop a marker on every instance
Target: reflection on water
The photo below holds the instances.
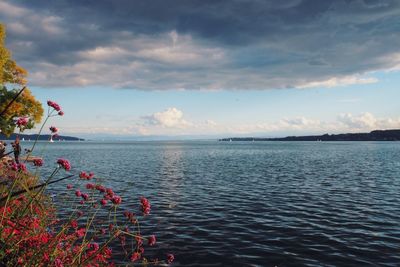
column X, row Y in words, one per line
column 257, row 204
column 172, row 173
column 172, row 165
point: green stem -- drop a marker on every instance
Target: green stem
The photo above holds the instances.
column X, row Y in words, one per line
column 8, row 199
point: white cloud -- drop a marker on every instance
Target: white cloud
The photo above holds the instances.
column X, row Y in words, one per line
column 367, row 121
column 169, row 118
column 172, row 121
column 136, row 61
column 339, row 81
column 395, row 59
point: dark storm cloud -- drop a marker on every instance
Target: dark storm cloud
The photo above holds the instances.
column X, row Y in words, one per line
column 203, row 44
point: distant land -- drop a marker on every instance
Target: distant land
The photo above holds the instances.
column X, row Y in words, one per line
column 43, row 137
column 377, row 135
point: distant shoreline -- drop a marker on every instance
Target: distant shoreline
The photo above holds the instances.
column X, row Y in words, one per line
column 377, row 135
column 44, row 137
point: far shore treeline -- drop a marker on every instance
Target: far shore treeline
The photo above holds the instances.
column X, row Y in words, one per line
column 377, row 135
column 43, row 137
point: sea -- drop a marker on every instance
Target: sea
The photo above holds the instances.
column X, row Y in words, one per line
column 252, row 203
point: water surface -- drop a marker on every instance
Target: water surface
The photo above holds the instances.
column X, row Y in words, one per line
column 257, row 203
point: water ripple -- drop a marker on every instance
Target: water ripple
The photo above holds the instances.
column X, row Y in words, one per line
column 258, row 204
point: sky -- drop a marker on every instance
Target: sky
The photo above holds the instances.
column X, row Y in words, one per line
column 199, row 69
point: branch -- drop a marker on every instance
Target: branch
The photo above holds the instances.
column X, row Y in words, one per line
column 35, row 187
column 12, row 101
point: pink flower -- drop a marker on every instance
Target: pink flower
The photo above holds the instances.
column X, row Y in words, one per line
column 90, row 186
column 61, row 113
column 38, row 162
column 53, row 105
column 101, row 188
column 74, row 224
column 14, row 166
column 139, row 241
column 64, row 163
column 85, row 196
column 116, row 200
column 78, row 193
column 145, row 205
column 23, row 121
column 152, row 240
column 22, row 167
column 94, row 246
column 128, row 214
column 69, row 186
column 122, row 239
column 170, row 258
column 103, row 202
column 53, row 129
column 109, row 192
column 135, row 256
column 84, row 175
column 107, row 253
column 141, row 250
column 58, row 263
column 80, row 233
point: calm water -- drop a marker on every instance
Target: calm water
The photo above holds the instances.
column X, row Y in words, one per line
column 258, row 204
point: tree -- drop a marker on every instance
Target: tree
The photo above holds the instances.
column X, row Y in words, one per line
column 24, row 105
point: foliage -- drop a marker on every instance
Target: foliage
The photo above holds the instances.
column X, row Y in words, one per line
column 24, row 105
column 10, row 72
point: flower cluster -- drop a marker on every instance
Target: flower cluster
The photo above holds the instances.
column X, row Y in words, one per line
column 64, row 164
column 86, row 176
column 17, row 167
column 76, row 244
column 145, row 205
column 38, row 162
column 152, row 240
column 54, row 105
column 30, row 241
column 32, row 235
column 22, row 122
column 170, row 258
column 53, row 129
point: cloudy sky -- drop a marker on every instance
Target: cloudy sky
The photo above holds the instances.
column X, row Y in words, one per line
column 209, row 67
